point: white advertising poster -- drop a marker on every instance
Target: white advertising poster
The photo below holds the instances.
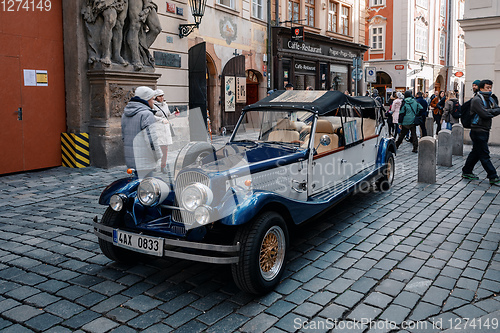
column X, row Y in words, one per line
column 29, row 77
column 241, row 90
column 229, row 94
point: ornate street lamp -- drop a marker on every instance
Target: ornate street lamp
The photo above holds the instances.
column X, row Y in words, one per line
column 422, row 62
column 198, row 10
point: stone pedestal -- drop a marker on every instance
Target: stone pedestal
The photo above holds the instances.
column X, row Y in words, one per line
column 427, row 160
column 429, row 126
column 444, row 157
column 110, row 91
column 457, row 138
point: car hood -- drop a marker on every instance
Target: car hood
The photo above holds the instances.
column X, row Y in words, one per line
column 252, row 157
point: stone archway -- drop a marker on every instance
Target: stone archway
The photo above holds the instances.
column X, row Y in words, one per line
column 384, row 81
column 439, row 84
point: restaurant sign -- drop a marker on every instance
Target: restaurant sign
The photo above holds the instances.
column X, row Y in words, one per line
column 319, row 49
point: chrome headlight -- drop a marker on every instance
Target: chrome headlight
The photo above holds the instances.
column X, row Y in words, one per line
column 152, row 191
column 117, row 201
column 196, row 195
column 202, row 215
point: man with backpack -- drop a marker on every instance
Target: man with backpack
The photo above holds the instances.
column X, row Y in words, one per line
column 452, row 110
column 409, row 119
column 483, row 109
column 423, row 114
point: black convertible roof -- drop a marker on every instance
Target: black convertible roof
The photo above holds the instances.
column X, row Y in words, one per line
column 319, row 101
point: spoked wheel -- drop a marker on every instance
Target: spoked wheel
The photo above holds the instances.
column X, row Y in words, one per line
column 264, row 245
column 114, row 219
column 385, row 182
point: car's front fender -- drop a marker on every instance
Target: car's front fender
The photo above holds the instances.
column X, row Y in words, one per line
column 385, row 145
column 125, row 186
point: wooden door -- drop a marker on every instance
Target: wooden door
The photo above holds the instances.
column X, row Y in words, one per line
column 31, row 41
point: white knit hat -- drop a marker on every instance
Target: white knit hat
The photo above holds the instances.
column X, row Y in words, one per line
column 159, row 92
column 145, row 93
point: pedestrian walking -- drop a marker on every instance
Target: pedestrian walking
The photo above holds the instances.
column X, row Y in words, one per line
column 451, row 111
column 140, row 140
column 408, row 119
column 165, row 130
column 395, row 107
column 483, row 109
column 437, row 109
column 423, row 114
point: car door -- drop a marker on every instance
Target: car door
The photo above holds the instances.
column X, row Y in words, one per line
column 326, row 160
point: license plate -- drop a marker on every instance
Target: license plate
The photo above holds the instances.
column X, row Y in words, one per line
column 138, row 243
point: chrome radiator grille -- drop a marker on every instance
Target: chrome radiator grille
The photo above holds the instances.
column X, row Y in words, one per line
column 184, row 180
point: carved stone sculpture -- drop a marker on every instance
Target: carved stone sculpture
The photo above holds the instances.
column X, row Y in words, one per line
column 121, row 32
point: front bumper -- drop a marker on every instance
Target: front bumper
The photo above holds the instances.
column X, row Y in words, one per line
column 174, row 248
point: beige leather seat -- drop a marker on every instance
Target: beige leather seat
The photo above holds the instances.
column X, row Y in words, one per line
column 369, row 127
column 285, row 131
column 324, row 127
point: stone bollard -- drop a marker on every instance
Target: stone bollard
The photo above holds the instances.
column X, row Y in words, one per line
column 429, row 126
column 457, row 138
column 427, row 160
column 444, row 148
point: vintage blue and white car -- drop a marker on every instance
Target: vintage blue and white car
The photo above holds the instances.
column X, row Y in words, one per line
column 292, row 156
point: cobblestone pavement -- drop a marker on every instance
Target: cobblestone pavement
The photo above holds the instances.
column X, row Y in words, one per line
column 417, row 255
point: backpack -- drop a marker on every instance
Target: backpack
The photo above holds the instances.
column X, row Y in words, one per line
column 466, row 117
column 456, row 112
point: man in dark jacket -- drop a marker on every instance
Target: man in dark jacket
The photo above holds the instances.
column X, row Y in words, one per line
column 423, row 114
column 483, row 109
column 139, row 132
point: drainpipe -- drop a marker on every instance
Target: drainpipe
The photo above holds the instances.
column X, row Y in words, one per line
column 449, row 36
column 269, row 47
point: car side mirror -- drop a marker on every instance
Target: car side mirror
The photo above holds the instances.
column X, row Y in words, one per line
column 325, row 140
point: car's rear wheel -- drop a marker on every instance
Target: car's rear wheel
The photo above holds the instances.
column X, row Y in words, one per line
column 114, row 219
column 264, row 245
column 385, row 182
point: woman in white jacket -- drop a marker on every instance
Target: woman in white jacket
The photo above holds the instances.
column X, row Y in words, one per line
column 395, row 107
column 165, row 134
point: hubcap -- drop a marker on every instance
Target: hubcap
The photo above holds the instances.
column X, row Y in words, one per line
column 272, row 253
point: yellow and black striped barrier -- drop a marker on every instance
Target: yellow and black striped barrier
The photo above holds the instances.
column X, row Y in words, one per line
column 75, row 150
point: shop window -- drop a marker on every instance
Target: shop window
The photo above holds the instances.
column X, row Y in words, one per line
column 310, row 13
column 377, row 38
column 332, row 16
column 323, row 72
column 293, row 10
column 227, row 3
column 286, row 73
column 338, row 74
column 257, row 9
column 344, row 20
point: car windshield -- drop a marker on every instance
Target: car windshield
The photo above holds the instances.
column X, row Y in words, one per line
column 282, row 127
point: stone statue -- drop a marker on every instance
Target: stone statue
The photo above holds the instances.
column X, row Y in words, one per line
column 143, row 29
column 109, row 21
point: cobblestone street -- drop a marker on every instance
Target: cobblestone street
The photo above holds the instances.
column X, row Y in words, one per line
column 425, row 257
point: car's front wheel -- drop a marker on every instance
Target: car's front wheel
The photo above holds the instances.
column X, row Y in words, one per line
column 114, row 219
column 263, row 251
